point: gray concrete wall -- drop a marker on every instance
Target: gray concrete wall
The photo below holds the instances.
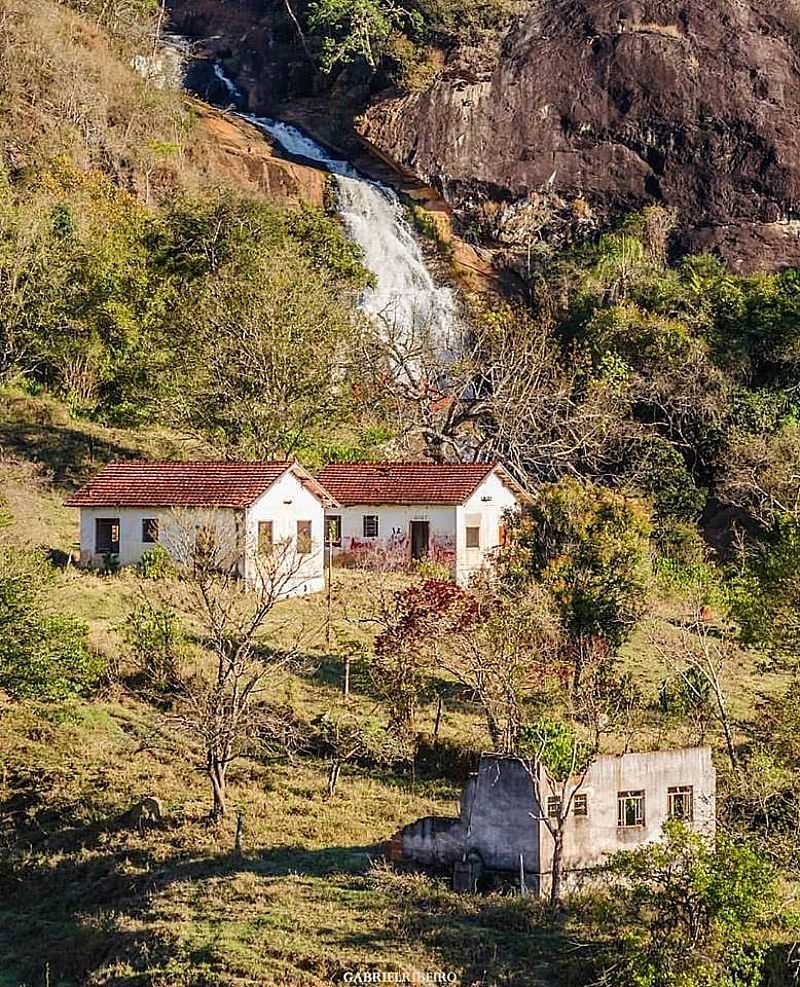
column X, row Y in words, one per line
column 433, row 841
column 499, row 815
column 588, row 840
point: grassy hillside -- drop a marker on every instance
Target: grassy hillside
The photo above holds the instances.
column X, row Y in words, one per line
column 88, row 900
column 158, row 299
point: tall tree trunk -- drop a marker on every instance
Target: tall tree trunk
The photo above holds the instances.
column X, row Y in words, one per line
column 555, row 873
column 217, row 774
column 494, row 731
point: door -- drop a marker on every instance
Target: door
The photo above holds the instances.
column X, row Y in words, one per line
column 106, row 536
column 420, row 537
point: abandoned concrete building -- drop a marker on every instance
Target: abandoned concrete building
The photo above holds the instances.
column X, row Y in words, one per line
column 622, row 802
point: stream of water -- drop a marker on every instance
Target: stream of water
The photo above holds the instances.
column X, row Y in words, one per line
column 405, row 295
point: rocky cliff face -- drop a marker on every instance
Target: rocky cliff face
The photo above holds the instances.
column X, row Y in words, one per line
column 241, row 152
column 589, row 108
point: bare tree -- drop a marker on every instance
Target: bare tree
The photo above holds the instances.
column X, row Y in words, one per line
column 702, row 656
column 222, row 711
column 503, row 390
column 505, row 657
column 761, row 473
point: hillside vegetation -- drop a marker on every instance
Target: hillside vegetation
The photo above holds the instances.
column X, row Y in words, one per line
column 152, row 305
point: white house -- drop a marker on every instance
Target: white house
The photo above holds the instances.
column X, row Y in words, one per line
column 452, row 513
column 247, row 512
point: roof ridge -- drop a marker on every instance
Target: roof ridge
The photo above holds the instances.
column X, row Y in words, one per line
column 201, row 462
column 410, row 462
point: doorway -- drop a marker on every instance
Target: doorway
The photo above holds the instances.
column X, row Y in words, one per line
column 420, row 538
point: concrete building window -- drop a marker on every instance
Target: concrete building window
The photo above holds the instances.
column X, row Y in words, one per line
column 630, row 809
column 333, row 530
column 681, row 803
column 473, row 537
column 370, row 525
column 106, row 535
column 303, row 537
column 265, row 537
column 581, row 805
column 150, row 530
column 553, row 806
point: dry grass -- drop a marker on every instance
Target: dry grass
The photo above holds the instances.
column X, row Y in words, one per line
column 98, row 904
column 84, row 900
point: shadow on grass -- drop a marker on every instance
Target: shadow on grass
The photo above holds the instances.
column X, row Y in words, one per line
column 61, row 919
column 73, row 456
column 82, row 914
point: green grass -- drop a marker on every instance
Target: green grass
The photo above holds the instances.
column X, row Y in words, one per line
column 308, row 899
column 86, row 900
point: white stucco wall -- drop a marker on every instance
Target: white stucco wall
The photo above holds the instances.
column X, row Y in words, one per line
column 285, row 503
column 485, row 509
column 131, row 546
column 393, row 543
column 589, row 839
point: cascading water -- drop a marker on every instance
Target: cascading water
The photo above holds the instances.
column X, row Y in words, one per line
column 405, row 296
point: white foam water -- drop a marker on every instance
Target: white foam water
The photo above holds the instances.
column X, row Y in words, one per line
column 405, row 297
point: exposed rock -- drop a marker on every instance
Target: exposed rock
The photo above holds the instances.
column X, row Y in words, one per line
column 246, row 155
column 695, row 103
column 254, row 40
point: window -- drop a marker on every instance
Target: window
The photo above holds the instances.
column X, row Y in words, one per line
column 303, row 537
column 553, row 806
column 265, row 540
column 370, row 525
column 473, row 537
column 630, row 809
column 333, row 530
column 150, row 530
column 681, row 803
column 581, row 804
column 106, row 535
column 503, row 539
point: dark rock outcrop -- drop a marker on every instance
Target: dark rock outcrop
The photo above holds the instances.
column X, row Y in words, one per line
column 591, row 108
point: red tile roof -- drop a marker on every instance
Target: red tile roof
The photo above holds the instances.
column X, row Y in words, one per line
column 405, row 483
column 142, row 484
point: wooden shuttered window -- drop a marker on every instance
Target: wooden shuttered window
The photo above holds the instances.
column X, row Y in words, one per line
column 303, row 537
column 265, row 537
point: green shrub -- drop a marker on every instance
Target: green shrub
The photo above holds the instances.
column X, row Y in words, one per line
column 680, row 542
column 43, row 655
column 431, row 569
column 687, row 912
column 156, row 563
column 157, row 643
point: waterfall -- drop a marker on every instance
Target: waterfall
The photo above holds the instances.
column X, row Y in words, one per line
column 405, row 295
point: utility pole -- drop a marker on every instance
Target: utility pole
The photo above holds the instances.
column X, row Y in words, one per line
column 329, row 595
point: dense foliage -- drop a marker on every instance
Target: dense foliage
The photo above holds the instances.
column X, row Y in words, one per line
column 116, row 308
column 708, row 362
column 590, row 547
column 44, row 655
column 689, row 912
